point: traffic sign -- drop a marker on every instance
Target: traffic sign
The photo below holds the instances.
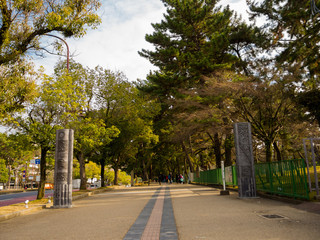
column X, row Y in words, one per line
column 37, row 161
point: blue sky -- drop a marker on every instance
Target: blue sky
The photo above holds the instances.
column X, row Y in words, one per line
column 116, row 42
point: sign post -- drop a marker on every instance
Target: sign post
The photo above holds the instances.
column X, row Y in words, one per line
column 224, row 191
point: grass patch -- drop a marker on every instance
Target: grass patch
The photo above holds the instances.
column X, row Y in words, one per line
column 21, row 206
column 80, row 192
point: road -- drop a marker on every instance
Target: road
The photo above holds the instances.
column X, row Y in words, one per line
column 13, row 198
column 199, row 213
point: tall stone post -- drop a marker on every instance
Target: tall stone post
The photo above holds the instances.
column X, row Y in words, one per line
column 63, row 169
column 244, row 160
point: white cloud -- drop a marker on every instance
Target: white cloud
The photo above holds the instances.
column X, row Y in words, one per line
column 116, row 42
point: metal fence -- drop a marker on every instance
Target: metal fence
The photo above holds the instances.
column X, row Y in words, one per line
column 214, row 176
column 287, row 178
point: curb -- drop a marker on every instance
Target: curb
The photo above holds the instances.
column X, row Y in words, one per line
column 39, row 208
column 20, row 213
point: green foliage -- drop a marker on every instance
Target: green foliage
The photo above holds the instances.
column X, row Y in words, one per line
column 293, row 33
column 15, row 152
column 17, row 88
column 92, row 170
column 310, row 100
column 3, row 171
column 195, row 39
column 76, row 169
column 121, row 105
column 23, row 22
column 123, row 177
column 15, row 149
column 109, row 176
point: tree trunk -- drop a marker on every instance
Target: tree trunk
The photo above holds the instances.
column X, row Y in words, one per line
column 132, row 178
column 228, row 150
column 102, row 164
column 16, row 179
column 145, row 171
column 43, row 170
column 187, row 155
column 268, row 144
column 116, row 169
column 83, row 178
column 217, row 150
column 151, row 172
column 9, row 177
column 278, row 153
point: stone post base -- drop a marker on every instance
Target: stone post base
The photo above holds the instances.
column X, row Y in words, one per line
column 224, row 192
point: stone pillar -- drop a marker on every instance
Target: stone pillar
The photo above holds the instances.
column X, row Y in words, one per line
column 244, row 160
column 63, row 169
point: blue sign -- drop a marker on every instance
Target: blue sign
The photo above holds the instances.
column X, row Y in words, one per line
column 37, row 161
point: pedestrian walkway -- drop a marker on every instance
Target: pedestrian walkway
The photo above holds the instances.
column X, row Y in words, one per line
column 156, row 220
column 169, row 211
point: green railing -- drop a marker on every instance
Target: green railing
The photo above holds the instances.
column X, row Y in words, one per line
column 287, row 178
column 214, row 176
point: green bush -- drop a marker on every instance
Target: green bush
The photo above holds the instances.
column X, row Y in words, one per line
column 123, row 177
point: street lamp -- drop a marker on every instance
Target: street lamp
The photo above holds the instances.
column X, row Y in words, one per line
column 50, row 35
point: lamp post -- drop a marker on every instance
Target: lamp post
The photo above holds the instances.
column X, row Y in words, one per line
column 50, row 35
column 62, row 197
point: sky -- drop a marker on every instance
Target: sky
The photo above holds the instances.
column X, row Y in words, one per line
column 115, row 43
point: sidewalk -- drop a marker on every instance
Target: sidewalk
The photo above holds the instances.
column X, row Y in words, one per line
column 196, row 212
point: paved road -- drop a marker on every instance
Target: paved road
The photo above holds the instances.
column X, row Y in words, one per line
column 199, row 213
column 12, row 198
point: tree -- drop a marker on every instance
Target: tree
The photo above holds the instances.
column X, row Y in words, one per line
column 295, row 33
column 292, row 31
column 267, row 104
column 57, row 104
column 17, row 87
column 3, row 171
column 92, row 170
column 121, row 105
column 17, row 152
column 195, row 40
column 24, row 22
column 90, row 135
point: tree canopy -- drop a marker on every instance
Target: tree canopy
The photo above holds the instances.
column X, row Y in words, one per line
column 23, row 22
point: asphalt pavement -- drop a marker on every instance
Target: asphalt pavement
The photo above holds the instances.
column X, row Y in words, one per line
column 197, row 212
column 13, row 198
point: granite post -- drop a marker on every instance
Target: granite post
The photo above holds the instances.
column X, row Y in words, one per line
column 244, row 160
column 63, row 169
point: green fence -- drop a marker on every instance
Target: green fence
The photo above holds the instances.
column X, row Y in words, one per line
column 214, row 176
column 287, row 178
